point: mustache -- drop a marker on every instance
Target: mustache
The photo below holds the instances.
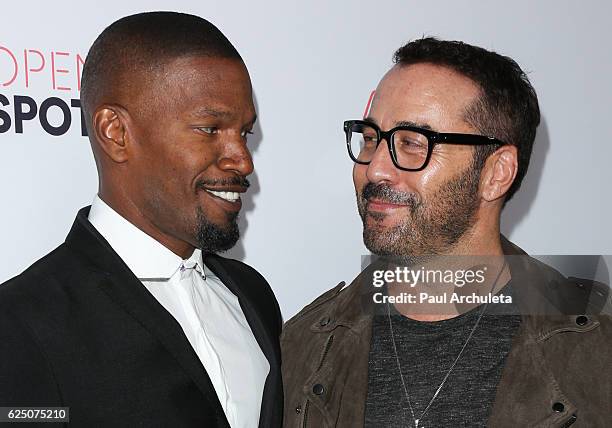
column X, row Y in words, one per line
column 387, row 194
column 234, row 181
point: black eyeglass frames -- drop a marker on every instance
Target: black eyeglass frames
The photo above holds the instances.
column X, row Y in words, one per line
column 410, row 147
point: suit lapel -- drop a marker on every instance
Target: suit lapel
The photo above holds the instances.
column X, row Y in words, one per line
column 261, row 333
column 128, row 292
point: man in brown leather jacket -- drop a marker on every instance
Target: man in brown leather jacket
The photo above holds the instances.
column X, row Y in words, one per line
column 444, row 145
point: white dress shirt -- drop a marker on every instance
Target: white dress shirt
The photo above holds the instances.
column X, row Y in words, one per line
column 206, row 309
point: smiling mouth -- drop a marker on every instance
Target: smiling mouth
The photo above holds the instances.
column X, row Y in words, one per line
column 378, row 203
column 227, row 196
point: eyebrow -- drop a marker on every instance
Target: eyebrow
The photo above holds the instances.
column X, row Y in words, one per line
column 221, row 114
column 415, row 124
column 211, row 111
column 404, row 123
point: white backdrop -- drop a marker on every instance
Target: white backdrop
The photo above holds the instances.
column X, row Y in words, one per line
column 317, row 61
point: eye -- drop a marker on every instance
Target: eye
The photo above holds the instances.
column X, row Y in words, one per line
column 211, row 130
column 412, row 144
column 369, row 139
column 245, row 134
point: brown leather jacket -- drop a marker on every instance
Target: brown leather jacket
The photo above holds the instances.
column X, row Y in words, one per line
column 558, row 372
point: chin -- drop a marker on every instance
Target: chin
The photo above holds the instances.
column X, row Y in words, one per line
column 216, row 237
column 381, row 223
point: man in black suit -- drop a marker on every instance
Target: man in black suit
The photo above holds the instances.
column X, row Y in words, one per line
column 134, row 320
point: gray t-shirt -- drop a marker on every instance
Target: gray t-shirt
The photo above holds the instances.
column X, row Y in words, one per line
column 426, row 351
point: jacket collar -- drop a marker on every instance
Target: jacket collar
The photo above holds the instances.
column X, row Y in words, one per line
column 349, row 306
column 265, row 340
column 246, row 295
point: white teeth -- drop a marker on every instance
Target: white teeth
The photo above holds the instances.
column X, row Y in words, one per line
column 228, row 196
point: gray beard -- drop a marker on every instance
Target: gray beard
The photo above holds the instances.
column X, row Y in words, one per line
column 433, row 227
column 213, row 238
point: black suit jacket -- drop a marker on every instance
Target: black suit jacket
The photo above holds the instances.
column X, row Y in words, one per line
column 78, row 329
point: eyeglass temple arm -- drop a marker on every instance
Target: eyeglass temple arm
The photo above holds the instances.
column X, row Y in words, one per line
column 465, row 139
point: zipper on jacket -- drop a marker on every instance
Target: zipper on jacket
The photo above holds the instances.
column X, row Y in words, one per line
column 328, row 344
column 306, row 413
column 570, row 421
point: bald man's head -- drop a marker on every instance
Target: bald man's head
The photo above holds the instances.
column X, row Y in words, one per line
column 129, row 51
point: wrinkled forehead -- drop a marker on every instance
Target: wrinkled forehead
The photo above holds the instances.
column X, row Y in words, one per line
column 423, row 93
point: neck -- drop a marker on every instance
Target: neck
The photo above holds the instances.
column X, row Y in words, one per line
column 482, row 239
column 128, row 209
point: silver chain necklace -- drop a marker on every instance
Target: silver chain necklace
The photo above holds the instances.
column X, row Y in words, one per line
column 399, row 367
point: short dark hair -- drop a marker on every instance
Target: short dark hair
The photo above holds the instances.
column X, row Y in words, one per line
column 507, row 108
column 143, row 42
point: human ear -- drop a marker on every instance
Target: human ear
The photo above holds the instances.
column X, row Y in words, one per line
column 110, row 123
column 499, row 172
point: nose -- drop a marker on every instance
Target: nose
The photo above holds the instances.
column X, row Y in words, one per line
column 236, row 157
column 381, row 166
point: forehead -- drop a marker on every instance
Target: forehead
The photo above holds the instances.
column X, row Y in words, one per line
column 198, row 83
column 424, row 94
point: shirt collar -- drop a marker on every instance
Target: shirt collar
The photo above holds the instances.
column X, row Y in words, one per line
column 146, row 257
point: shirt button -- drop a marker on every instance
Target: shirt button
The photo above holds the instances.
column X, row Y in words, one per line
column 324, row 321
column 582, row 320
column 298, row 409
column 318, row 389
column 558, row 407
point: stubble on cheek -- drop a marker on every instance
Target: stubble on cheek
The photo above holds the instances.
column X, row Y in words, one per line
column 383, row 233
